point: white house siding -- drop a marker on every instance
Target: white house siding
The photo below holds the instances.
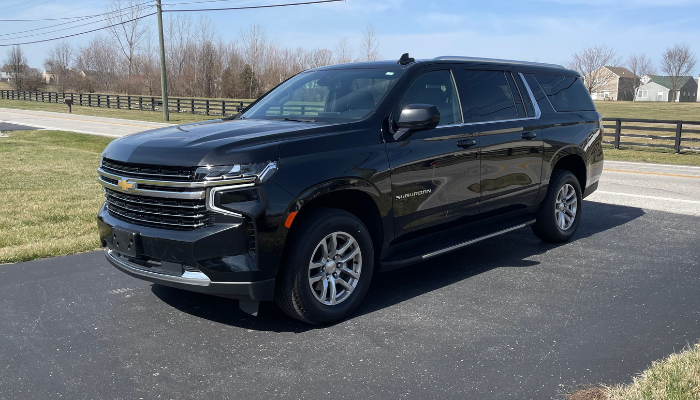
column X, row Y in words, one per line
column 652, row 89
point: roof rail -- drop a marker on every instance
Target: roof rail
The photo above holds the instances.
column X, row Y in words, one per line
column 495, row 61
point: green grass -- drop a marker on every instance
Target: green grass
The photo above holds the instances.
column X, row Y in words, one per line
column 649, row 110
column 49, row 195
column 151, row 116
column 650, row 155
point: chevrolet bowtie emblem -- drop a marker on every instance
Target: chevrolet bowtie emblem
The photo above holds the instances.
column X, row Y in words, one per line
column 126, row 185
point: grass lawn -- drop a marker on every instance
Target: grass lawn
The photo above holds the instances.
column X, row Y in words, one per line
column 151, row 116
column 676, row 377
column 649, row 110
column 49, row 195
column 650, row 155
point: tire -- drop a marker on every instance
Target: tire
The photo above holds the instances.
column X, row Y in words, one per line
column 304, row 288
column 548, row 226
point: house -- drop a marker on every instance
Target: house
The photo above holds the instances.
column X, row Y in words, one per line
column 613, row 83
column 49, row 77
column 658, row 88
column 7, row 72
column 4, row 76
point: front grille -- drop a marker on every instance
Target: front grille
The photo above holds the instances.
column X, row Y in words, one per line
column 149, row 171
column 158, row 212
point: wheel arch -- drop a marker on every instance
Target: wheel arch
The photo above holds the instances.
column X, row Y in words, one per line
column 572, row 159
column 353, row 195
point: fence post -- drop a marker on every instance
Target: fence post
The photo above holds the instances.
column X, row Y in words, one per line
column 128, row 102
column 153, row 104
column 679, row 130
column 140, row 103
column 192, row 105
column 207, row 108
column 223, row 108
column 178, row 105
column 618, row 129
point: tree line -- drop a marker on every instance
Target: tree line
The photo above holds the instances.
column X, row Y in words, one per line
column 199, row 61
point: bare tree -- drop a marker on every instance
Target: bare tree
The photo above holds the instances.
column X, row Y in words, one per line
column 343, row 51
column 127, row 30
column 16, row 66
column 640, row 65
column 322, row 57
column 59, row 62
column 589, row 63
column 677, row 61
column 369, row 45
column 178, row 39
column 254, row 43
column 99, row 61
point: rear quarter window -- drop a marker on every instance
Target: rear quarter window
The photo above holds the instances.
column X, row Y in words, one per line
column 566, row 93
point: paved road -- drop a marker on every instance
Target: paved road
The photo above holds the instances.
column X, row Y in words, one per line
column 112, row 127
column 481, row 323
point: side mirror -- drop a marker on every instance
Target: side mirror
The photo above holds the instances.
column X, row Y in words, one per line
column 417, row 117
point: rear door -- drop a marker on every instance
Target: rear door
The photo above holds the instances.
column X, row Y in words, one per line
column 434, row 173
column 510, row 141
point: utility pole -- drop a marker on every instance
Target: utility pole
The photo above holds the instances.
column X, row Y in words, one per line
column 163, row 77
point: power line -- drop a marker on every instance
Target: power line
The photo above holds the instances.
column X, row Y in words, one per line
column 192, row 10
column 67, row 28
column 80, row 33
column 65, row 18
column 254, row 7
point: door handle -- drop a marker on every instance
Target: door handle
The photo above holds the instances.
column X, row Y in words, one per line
column 466, row 143
column 528, row 135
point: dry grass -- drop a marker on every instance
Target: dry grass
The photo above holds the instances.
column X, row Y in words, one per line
column 675, row 378
column 49, row 195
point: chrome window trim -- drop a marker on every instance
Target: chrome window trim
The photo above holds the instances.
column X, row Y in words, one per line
column 193, row 185
column 538, row 112
column 198, row 195
column 212, row 193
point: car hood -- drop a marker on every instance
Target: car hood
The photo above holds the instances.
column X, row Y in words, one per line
column 217, row 142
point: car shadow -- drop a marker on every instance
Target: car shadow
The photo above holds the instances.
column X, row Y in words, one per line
column 391, row 288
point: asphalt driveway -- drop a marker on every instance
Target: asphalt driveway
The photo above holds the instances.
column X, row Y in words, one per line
column 509, row 317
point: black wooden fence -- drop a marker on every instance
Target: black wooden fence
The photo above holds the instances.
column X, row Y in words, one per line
column 143, row 103
column 629, row 132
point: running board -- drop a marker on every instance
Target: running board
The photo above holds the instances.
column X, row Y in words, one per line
column 433, row 251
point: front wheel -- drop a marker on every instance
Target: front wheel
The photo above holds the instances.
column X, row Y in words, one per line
column 560, row 212
column 328, row 267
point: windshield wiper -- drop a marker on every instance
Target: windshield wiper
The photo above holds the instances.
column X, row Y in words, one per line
column 300, row 119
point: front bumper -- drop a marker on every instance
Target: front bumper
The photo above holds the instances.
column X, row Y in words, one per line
column 211, row 260
column 196, row 281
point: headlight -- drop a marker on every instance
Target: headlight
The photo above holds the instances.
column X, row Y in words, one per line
column 263, row 171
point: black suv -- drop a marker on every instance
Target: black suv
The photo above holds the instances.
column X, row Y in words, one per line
column 347, row 170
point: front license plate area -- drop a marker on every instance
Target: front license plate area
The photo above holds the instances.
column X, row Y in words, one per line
column 125, row 241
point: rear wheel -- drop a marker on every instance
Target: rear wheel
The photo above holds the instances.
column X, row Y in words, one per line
column 328, row 267
column 560, row 212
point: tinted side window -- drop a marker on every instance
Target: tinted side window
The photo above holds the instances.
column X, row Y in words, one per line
column 491, row 96
column 436, row 88
column 566, row 93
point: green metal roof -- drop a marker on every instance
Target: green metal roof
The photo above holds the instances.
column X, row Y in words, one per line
column 667, row 82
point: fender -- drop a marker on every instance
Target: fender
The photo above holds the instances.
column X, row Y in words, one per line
column 548, row 167
column 382, row 203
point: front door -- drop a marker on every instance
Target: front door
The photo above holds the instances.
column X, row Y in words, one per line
column 434, row 173
column 511, row 142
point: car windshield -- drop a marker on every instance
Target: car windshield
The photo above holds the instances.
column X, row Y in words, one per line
column 342, row 95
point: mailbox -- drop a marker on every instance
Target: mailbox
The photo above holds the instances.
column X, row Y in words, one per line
column 69, row 103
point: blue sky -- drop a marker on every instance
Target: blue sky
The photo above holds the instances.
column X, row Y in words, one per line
column 544, row 30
